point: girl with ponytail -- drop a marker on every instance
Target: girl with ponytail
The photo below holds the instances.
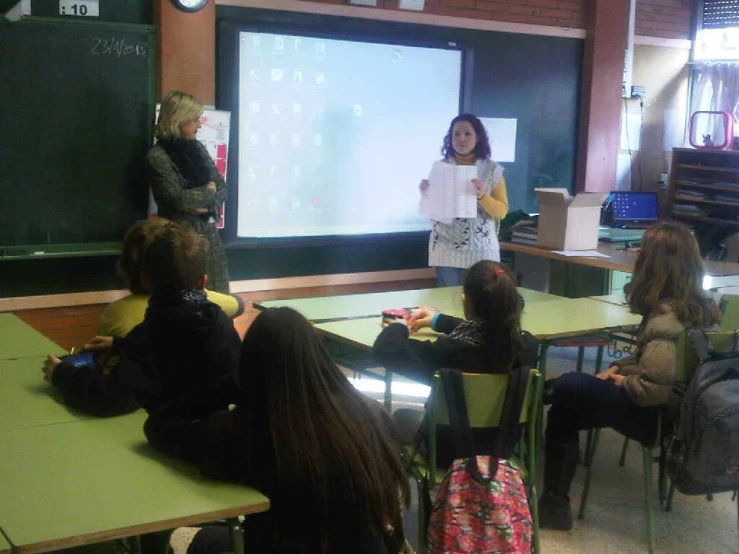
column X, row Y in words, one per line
column 488, row 340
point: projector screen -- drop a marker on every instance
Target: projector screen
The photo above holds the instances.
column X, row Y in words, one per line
column 335, row 135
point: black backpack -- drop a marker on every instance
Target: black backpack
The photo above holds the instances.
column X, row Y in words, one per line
column 702, row 455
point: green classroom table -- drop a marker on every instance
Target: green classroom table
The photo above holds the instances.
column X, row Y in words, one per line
column 546, row 320
column 447, row 299
column 4, row 544
column 90, row 481
column 619, row 298
column 20, row 340
column 26, row 400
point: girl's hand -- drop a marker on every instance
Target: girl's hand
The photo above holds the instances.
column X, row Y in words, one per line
column 479, row 188
column 49, row 366
column 606, row 375
column 420, row 318
column 211, row 186
column 423, row 186
column 618, row 379
column 389, row 321
column 98, row 344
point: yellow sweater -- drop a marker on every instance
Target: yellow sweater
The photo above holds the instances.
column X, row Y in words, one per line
column 123, row 315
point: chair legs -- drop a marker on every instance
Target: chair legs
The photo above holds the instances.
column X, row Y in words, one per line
column 647, row 460
column 624, row 449
column 670, row 494
column 422, row 516
column 534, row 507
column 593, row 437
column 580, row 358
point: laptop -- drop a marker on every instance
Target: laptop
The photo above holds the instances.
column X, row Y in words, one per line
column 634, row 210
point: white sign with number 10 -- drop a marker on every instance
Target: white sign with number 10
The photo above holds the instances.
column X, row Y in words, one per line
column 89, row 8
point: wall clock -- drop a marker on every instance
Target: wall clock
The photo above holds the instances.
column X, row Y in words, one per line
column 190, row 5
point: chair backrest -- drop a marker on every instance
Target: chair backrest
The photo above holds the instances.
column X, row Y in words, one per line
column 485, row 395
column 715, row 343
column 687, row 359
column 729, row 306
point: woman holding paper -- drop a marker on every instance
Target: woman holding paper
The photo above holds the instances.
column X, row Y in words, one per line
column 457, row 244
column 184, row 180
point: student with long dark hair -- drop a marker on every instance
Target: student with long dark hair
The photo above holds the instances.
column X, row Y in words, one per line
column 666, row 290
column 455, row 246
column 303, row 436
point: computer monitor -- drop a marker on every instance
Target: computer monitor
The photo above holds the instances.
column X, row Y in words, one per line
column 634, row 209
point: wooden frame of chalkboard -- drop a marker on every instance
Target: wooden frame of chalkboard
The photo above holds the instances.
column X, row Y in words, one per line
column 82, row 97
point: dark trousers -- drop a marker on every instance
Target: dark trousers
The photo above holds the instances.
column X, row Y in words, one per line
column 582, row 401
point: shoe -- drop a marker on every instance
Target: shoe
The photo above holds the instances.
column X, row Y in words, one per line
column 555, row 513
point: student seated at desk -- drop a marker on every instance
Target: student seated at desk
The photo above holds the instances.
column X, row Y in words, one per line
column 303, row 436
column 489, row 341
column 667, row 291
column 123, row 315
column 184, row 343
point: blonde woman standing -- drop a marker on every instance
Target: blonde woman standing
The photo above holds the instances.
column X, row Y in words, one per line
column 184, row 180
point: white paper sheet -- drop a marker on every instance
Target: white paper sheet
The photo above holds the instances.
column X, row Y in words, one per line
column 581, row 253
column 502, row 136
column 450, row 193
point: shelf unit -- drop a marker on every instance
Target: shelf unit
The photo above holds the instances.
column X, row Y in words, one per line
column 704, row 190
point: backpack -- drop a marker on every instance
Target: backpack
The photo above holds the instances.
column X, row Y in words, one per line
column 702, row 455
column 481, row 505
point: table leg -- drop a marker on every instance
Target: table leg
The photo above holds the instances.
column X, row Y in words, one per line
column 237, row 532
column 388, row 390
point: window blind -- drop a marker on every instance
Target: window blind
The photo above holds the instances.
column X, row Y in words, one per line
column 720, row 14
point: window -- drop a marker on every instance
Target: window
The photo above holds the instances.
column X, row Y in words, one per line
column 717, row 37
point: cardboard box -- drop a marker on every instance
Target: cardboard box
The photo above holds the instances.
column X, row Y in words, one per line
column 567, row 223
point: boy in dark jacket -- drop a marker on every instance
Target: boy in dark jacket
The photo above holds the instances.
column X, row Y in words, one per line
column 184, row 343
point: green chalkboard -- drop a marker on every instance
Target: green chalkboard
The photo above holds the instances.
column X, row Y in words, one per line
column 76, row 111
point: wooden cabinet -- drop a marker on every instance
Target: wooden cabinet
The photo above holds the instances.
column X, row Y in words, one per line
column 704, row 193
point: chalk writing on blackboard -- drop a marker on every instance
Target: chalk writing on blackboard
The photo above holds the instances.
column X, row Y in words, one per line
column 118, row 47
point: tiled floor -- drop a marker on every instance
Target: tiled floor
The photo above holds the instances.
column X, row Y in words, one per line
column 615, row 522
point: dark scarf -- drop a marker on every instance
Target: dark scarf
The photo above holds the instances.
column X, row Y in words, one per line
column 191, row 297
column 187, row 155
column 472, row 332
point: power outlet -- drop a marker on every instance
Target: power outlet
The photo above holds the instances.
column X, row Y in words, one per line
column 638, row 92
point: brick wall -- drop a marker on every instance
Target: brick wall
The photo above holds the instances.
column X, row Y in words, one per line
column 562, row 13
column 656, row 18
column 664, row 18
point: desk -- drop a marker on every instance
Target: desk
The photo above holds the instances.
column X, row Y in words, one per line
column 447, row 299
column 534, row 266
column 4, row 544
column 26, row 400
column 546, row 320
column 91, row 481
column 619, row 259
column 19, row 340
column 619, row 299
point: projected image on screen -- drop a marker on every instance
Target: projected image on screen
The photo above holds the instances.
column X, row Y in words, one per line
column 334, row 136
